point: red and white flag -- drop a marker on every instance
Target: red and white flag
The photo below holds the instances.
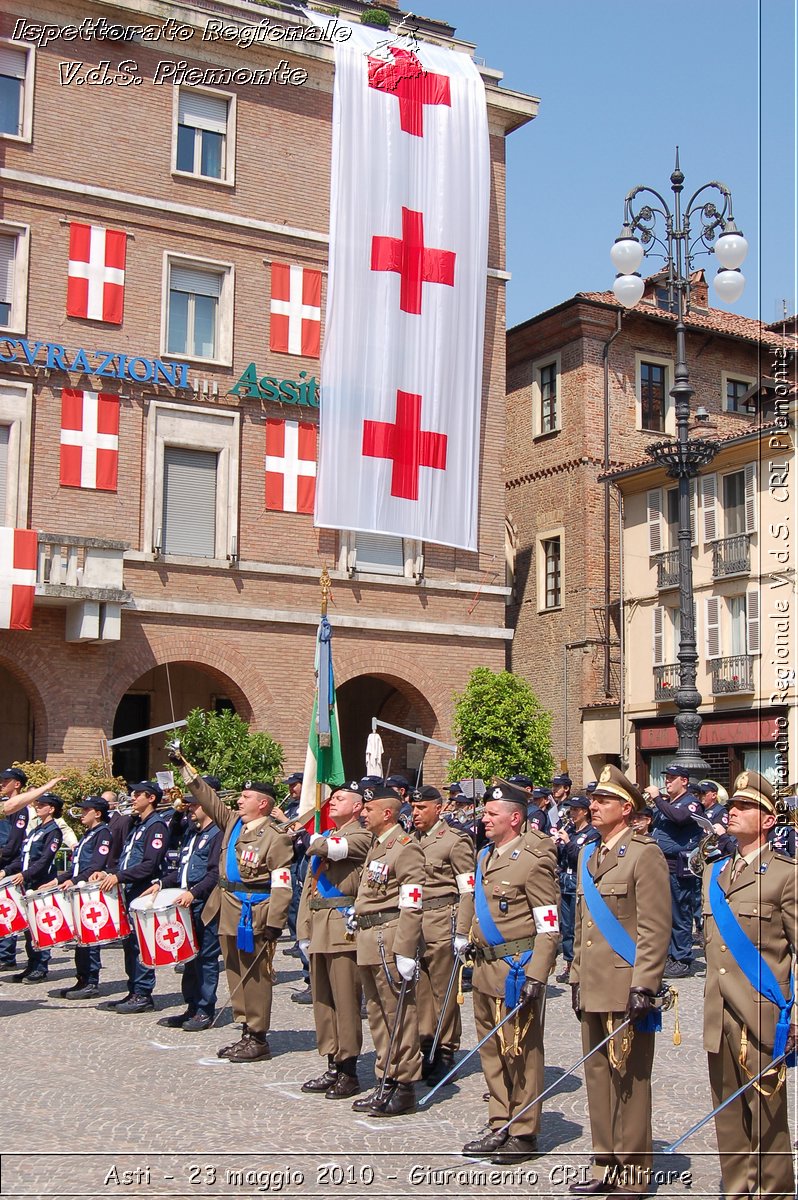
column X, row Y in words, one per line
column 89, row 440
column 295, row 326
column 291, row 465
column 405, row 310
column 96, row 274
column 18, row 551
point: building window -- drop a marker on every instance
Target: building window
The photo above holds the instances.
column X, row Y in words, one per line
column 734, row 503
column 191, row 501
column 15, row 439
column 16, row 91
column 736, row 392
column 381, row 554
column 205, row 135
column 552, row 572
column 14, row 244
column 199, row 311
column 652, row 396
column 546, row 396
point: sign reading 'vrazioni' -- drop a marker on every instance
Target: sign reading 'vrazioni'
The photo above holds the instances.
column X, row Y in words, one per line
column 103, row 364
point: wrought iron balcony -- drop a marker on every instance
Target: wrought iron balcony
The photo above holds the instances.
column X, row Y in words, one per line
column 734, row 674
column 666, row 681
column 731, row 556
column 667, row 569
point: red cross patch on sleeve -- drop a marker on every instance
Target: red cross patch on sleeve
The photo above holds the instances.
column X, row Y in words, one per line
column 157, row 842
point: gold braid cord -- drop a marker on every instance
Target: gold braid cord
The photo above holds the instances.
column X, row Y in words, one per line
column 269, row 955
column 742, row 1059
column 618, row 1057
column 519, row 1034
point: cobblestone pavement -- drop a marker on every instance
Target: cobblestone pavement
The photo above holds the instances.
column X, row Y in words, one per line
column 97, row 1104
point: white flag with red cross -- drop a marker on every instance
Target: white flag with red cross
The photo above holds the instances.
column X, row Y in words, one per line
column 96, row 273
column 295, row 322
column 89, row 440
column 290, row 465
column 18, row 551
column 405, row 312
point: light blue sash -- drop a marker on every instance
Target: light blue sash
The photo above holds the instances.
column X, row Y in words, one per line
column 516, row 977
column 245, row 937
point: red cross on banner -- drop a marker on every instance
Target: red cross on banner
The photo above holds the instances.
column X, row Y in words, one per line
column 407, row 444
column 414, row 262
column 405, row 78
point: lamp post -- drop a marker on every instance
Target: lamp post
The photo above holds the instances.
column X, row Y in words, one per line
column 682, row 459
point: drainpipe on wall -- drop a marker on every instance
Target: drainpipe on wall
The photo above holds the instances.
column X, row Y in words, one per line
column 605, row 354
column 622, row 638
column 569, row 646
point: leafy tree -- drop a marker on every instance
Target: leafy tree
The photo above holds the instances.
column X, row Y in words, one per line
column 77, row 782
column 501, row 729
column 221, row 744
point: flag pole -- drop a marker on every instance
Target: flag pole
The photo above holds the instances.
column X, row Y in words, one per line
column 326, row 587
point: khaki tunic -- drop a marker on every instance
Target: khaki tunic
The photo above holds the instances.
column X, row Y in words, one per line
column 403, row 858
column 523, row 877
column 447, row 854
column 753, row 1135
column 271, row 851
column 633, row 880
column 334, row 975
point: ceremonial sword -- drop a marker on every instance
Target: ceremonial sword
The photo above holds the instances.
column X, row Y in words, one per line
column 456, row 1069
column 700, row 1125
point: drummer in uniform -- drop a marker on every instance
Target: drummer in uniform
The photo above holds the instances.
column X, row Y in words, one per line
column 388, row 913
column 197, row 876
column 515, row 937
column 34, row 867
column 251, row 902
column 91, row 854
column 336, row 859
column 448, row 910
column 139, row 864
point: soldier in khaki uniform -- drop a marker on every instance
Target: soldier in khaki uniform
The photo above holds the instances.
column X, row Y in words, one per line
column 448, row 910
column 252, row 909
column 758, row 888
column 331, row 883
column 388, row 913
column 515, row 934
column 631, row 876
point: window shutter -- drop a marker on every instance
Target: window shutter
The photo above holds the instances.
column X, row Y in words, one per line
column 380, row 553
column 193, row 279
column 713, row 626
column 659, row 638
column 752, row 621
column 202, row 111
column 693, row 512
column 5, row 430
column 189, row 501
column 750, row 498
column 8, row 250
column 12, row 62
column 654, row 513
column 709, row 503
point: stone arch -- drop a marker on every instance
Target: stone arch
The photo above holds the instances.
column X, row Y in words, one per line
column 38, row 708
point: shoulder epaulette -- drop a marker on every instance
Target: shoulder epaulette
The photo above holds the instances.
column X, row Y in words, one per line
column 404, row 840
column 644, row 838
column 784, row 857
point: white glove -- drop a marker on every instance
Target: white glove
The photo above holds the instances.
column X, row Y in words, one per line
column 405, row 966
column 304, row 944
column 460, row 943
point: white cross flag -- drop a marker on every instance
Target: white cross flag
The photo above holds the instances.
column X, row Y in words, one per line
column 18, row 551
column 89, row 440
column 290, row 465
column 295, row 326
column 96, row 273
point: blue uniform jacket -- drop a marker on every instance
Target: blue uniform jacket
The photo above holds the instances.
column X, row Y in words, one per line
column 37, row 857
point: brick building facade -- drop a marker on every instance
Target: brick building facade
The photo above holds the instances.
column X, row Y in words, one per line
column 179, row 588
column 587, row 391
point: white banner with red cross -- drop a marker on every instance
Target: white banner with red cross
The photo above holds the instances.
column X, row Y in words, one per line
column 405, row 317
column 18, row 553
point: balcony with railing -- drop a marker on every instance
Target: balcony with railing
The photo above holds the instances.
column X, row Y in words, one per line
column 732, row 675
column 666, row 681
column 731, row 556
column 667, row 569
column 86, row 576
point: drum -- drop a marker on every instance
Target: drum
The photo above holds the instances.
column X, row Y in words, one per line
column 12, row 911
column 99, row 916
column 164, row 932
column 50, row 918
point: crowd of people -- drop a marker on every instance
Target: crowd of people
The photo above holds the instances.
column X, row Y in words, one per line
column 409, row 896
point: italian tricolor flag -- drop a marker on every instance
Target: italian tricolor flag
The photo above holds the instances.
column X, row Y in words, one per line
column 324, row 767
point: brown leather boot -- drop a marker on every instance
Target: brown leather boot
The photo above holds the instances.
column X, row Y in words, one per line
column 324, row 1081
column 225, row 1050
column 255, row 1048
column 401, row 1100
column 346, row 1081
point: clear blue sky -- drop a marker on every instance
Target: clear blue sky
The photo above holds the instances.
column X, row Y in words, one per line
column 620, row 85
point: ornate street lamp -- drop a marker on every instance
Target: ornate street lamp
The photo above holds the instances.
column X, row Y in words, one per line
column 682, row 459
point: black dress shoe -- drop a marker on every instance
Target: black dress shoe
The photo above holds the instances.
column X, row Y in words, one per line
column 198, row 1023
column 176, row 1021
column 343, row 1087
column 303, row 997
column 8, row 966
column 517, row 1148
column 89, row 991
column 34, row 977
column 401, row 1100
column 67, row 993
column 593, row 1187
column 138, row 1003
column 20, row 976
column 489, row 1142
column 123, row 1000
column 322, row 1082
column 439, row 1067
column 365, row 1102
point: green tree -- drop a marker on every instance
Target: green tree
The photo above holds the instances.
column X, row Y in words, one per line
column 221, row 744
column 501, row 729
